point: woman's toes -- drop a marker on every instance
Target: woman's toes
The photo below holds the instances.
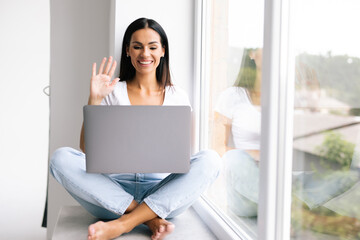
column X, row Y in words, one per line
column 170, row 227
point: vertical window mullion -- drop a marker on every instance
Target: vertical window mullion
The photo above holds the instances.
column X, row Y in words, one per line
column 276, row 126
column 198, row 52
column 286, row 107
column 204, row 121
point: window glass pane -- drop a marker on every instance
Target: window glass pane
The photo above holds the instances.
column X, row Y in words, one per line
column 326, row 189
column 233, row 100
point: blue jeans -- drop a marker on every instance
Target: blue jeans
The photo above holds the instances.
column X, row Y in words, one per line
column 242, row 183
column 314, row 189
column 107, row 196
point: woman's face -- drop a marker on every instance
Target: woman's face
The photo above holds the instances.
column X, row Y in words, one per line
column 257, row 56
column 145, row 51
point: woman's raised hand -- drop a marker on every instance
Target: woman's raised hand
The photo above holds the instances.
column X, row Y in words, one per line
column 100, row 83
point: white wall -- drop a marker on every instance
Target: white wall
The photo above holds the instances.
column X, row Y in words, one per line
column 24, row 117
column 79, row 37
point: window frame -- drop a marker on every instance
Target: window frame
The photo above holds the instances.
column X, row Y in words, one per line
column 277, row 123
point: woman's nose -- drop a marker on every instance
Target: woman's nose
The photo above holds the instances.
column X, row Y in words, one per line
column 145, row 52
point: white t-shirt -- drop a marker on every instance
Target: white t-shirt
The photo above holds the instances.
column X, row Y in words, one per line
column 234, row 104
column 173, row 96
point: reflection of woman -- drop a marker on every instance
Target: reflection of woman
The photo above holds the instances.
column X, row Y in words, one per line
column 132, row 199
column 238, row 112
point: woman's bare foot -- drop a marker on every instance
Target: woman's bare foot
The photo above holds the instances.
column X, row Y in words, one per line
column 160, row 228
column 108, row 230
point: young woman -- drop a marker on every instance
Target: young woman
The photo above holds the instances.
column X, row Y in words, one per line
column 237, row 114
column 238, row 117
column 132, row 199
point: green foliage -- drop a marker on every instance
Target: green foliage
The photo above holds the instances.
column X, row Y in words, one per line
column 337, row 112
column 339, row 75
column 322, row 220
column 335, row 149
column 355, row 112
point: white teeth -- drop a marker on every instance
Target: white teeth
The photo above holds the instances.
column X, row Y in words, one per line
column 145, row 62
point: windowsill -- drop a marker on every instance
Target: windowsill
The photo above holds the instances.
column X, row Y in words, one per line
column 73, row 222
column 224, row 227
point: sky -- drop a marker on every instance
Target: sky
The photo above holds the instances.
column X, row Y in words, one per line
column 318, row 26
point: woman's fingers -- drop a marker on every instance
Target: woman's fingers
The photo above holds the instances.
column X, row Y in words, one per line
column 108, row 65
column 114, row 81
column 112, row 70
column 102, row 65
column 94, row 69
column 109, row 68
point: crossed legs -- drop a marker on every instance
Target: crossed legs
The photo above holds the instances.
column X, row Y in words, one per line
column 105, row 198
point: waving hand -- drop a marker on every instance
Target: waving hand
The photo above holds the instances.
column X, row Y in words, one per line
column 100, row 83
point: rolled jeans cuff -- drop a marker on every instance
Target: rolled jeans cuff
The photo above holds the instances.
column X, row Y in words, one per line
column 155, row 208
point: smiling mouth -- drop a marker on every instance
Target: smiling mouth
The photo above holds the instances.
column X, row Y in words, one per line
column 145, row 62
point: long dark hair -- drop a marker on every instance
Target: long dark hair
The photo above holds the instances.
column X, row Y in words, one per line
column 247, row 73
column 127, row 70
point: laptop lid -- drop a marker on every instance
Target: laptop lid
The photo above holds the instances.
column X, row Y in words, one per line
column 137, row 139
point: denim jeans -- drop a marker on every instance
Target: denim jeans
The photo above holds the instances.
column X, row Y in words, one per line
column 242, row 183
column 313, row 188
column 107, row 196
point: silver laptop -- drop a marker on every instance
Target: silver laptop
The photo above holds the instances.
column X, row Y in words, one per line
column 137, row 139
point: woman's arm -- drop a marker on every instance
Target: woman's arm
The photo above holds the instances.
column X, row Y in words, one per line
column 100, row 86
column 221, row 133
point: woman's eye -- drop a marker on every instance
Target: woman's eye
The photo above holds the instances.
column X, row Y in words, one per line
column 153, row 48
column 137, row 47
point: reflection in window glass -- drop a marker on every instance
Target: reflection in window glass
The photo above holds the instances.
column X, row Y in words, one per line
column 234, row 99
column 326, row 160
